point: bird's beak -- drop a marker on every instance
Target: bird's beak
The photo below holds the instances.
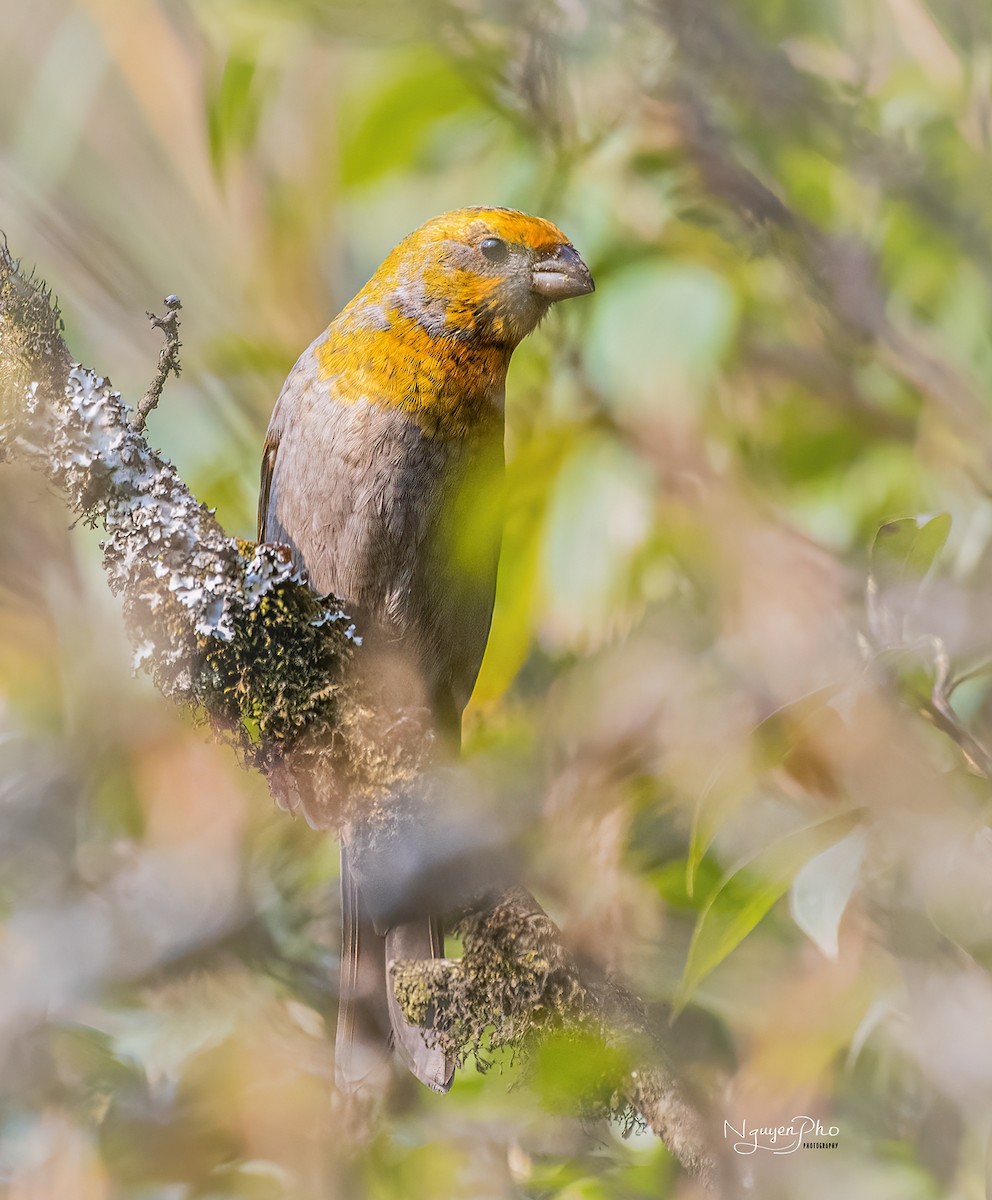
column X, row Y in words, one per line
column 561, row 274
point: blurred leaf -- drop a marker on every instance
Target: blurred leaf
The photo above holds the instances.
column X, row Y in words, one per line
column 573, row 1069
column 902, row 557
column 905, row 550
column 798, row 738
column 726, row 790
column 671, row 882
column 881, row 1010
column 657, row 330
column 162, row 1042
column 254, row 1179
column 89, row 1066
column 234, row 107
column 748, row 891
column 393, row 131
column 599, row 517
column 530, row 481
column 786, row 737
column 145, row 1140
column 396, row 1170
column 820, row 892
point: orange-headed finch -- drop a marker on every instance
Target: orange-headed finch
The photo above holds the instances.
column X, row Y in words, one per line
column 375, row 441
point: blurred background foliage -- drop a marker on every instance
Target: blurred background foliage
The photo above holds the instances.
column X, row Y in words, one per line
column 752, row 748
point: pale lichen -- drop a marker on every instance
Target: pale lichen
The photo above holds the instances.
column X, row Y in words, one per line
column 227, row 627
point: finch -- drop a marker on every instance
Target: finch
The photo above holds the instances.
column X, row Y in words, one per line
column 382, row 430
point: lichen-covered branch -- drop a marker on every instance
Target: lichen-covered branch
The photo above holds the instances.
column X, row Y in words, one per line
column 226, row 627
column 516, row 985
column 231, row 630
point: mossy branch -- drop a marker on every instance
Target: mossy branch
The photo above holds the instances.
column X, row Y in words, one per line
column 516, row 985
column 226, row 627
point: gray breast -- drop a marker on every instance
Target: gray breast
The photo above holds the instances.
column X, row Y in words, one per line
column 381, row 515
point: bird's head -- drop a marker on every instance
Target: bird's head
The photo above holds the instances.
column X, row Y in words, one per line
column 481, row 275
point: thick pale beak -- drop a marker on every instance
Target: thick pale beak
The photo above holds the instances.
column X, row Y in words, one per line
column 561, row 275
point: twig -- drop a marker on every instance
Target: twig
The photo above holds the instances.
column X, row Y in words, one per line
column 168, row 359
column 939, row 710
column 975, row 671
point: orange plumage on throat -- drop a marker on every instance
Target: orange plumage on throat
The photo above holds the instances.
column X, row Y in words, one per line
column 431, row 334
column 449, row 386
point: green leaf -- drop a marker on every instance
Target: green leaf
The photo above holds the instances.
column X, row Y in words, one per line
column 531, row 480
column 658, row 331
column 671, row 881
column 747, row 893
column 233, row 109
column 598, row 520
column 723, row 794
column 394, row 131
column 574, row 1068
column 905, row 550
column 902, row 557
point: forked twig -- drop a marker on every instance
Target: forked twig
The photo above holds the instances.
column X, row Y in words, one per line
column 168, row 359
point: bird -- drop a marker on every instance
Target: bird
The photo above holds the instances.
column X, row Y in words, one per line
column 387, row 433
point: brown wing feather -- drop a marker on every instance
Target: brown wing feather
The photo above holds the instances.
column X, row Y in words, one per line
column 269, row 453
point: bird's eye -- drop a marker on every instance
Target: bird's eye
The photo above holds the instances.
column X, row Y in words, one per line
column 495, row 249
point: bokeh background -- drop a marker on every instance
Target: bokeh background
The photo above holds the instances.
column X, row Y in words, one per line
column 753, row 749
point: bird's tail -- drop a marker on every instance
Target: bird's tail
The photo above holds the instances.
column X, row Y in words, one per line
column 369, row 1017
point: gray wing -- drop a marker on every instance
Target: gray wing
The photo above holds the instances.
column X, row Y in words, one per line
column 316, row 487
